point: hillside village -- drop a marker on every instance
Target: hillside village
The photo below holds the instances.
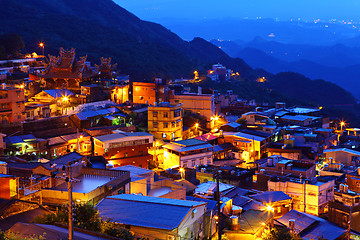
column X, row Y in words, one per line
column 168, row 159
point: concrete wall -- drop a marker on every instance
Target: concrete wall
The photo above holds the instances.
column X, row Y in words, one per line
column 307, row 198
column 340, row 157
column 193, row 224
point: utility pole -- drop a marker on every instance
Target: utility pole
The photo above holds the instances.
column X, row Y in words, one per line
column 70, row 201
column 218, row 203
column 349, row 228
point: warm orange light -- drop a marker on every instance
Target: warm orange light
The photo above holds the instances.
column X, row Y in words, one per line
column 196, row 125
column 22, row 86
column 81, row 136
column 216, row 118
column 342, row 123
column 182, row 170
column 263, row 223
column 65, row 99
column 269, row 208
column 41, row 44
column 320, row 108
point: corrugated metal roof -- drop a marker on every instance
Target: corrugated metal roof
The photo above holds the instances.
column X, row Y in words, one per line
column 56, row 140
column 73, row 156
column 251, row 221
column 232, row 124
column 156, row 200
column 342, row 150
column 270, row 197
column 250, row 136
column 179, row 148
column 5, row 175
column 189, row 142
column 20, row 139
column 143, row 211
column 86, row 115
column 314, row 227
column 298, row 117
column 55, row 93
column 224, row 146
column 206, row 137
column 204, row 188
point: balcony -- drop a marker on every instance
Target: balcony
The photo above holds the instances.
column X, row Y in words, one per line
column 5, row 110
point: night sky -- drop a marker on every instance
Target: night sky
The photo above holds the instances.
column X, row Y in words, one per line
column 282, row 9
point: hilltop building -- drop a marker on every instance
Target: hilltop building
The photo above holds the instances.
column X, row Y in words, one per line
column 165, row 121
column 12, row 107
column 65, row 70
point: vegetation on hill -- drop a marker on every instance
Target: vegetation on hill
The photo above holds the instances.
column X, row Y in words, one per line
column 10, row 45
column 100, row 28
column 87, row 217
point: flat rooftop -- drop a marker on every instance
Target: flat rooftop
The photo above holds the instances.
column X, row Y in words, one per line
column 87, row 183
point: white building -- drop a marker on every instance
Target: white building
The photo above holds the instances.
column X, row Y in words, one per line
column 187, row 153
column 307, row 197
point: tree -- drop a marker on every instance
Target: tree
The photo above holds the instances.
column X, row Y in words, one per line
column 9, row 235
column 10, row 44
column 86, row 216
column 241, row 121
column 279, row 234
column 110, row 228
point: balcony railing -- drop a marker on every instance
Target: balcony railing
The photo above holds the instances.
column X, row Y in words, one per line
column 103, row 172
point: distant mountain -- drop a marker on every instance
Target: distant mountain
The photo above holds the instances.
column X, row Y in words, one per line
column 338, row 64
column 100, row 28
column 289, row 32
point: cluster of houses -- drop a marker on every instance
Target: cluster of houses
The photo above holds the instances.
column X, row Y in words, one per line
column 148, row 154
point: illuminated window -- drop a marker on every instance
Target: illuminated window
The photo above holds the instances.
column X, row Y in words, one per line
column 164, row 135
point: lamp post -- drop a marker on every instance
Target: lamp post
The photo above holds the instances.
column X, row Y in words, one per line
column 342, row 124
column 42, row 45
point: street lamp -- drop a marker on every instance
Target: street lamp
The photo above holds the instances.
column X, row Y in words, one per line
column 342, row 124
column 42, row 45
column 65, row 100
column 182, row 170
column 269, row 208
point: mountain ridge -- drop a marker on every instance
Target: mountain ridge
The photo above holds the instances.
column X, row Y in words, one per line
column 101, row 28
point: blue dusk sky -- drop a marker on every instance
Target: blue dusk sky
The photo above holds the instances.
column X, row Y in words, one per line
column 281, row 9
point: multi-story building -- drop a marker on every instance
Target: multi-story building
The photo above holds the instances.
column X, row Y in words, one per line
column 120, row 94
column 348, row 157
column 165, row 121
column 12, row 105
column 219, row 73
column 156, row 218
column 2, row 143
column 48, row 103
column 276, row 165
column 124, row 148
column 252, row 146
column 143, row 92
column 187, row 153
column 345, row 202
column 202, row 104
column 309, row 197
